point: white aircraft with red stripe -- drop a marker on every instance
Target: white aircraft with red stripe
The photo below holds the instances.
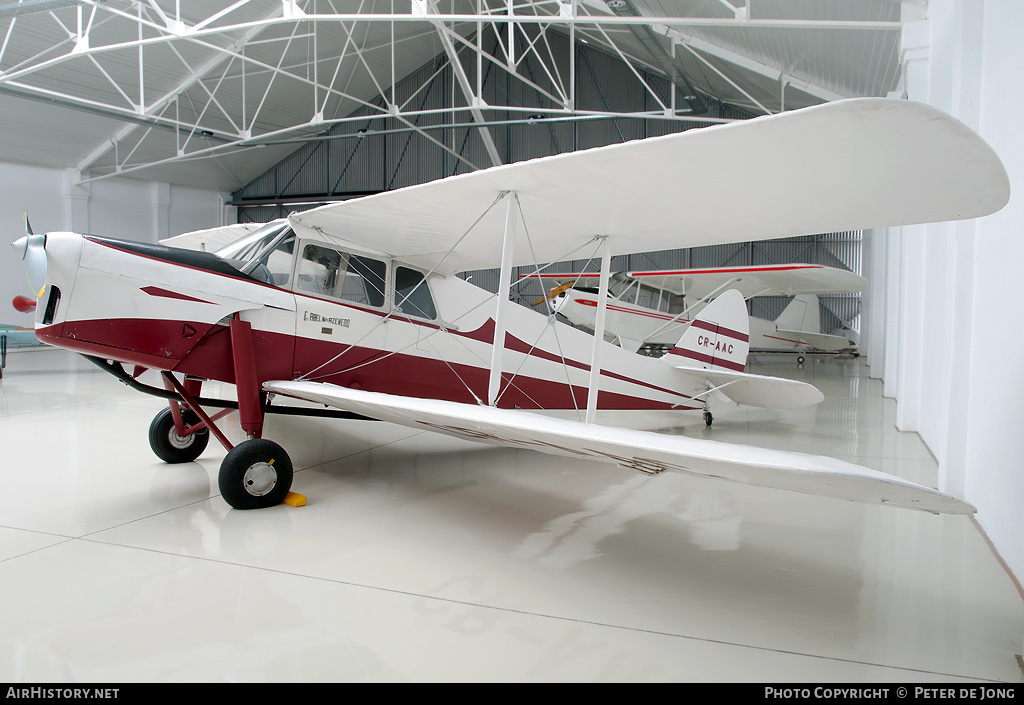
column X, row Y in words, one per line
column 653, row 308
column 356, row 305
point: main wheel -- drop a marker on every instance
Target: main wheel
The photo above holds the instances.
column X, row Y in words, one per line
column 708, row 418
column 168, row 445
column 255, row 474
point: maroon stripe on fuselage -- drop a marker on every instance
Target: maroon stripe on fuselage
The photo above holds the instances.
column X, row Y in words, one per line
column 709, row 359
column 281, row 356
column 168, row 294
column 715, row 328
column 485, row 334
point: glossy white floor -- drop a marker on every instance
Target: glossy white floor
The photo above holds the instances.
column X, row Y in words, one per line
column 424, row 558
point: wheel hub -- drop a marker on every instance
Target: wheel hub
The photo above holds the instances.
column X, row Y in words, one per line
column 180, row 442
column 259, row 479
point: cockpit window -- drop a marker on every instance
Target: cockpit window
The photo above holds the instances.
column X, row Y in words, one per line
column 412, row 296
column 273, row 264
column 245, row 249
column 329, row 272
column 657, row 299
column 266, row 255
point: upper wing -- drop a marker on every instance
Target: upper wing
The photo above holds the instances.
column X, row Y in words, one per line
column 645, row 451
column 844, row 165
column 757, row 280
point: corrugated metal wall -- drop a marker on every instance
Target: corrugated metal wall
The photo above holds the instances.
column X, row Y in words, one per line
column 362, row 157
column 380, row 154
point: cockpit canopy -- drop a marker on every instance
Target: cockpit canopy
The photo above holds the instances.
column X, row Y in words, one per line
column 268, row 254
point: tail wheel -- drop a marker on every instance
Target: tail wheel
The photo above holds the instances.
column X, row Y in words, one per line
column 168, row 445
column 255, row 474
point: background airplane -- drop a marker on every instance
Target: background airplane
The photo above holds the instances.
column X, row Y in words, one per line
column 652, row 308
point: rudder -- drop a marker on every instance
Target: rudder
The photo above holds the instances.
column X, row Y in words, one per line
column 800, row 314
column 717, row 339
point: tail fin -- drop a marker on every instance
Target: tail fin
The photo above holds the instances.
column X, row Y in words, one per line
column 801, row 314
column 717, row 339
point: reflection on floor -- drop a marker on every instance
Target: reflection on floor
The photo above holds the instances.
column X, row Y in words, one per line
column 425, row 558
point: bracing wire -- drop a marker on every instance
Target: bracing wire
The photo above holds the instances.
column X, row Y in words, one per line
column 386, row 318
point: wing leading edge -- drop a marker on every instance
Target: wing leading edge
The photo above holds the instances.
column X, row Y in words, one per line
column 645, row 451
column 756, row 280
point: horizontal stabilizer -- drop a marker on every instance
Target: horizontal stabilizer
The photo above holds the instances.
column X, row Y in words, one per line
column 758, row 390
column 821, row 341
column 648, row 452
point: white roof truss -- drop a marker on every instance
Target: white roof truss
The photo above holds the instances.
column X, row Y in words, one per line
column 209, row 72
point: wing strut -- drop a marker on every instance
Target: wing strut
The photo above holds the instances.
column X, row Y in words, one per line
column 602, row 307
column 504, row 284
column 689, row 308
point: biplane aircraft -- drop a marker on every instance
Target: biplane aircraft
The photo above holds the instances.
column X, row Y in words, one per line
column 651, row 309
column 356, row 305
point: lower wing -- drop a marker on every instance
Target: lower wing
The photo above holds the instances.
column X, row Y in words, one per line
column 648, row 452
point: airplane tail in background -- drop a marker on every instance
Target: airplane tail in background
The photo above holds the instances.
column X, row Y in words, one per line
column 717, row 339
column 801, row 314
column 713, row 350
column 800, row 324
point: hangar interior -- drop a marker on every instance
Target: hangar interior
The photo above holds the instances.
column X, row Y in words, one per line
column 428, row 558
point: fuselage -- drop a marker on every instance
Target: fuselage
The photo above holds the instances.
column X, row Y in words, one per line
column 322, row 311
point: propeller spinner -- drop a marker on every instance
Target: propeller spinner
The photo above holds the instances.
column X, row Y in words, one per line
column 32, row 249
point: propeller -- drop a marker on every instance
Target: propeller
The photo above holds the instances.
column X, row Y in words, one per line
column 553, row 293
column 32, row 249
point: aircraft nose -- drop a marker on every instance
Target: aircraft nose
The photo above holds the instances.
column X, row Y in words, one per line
column 21, row 246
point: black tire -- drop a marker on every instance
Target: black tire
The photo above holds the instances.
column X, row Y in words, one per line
column 800, row 360
column 168, row 445
column 255, row 474
column 708, row 418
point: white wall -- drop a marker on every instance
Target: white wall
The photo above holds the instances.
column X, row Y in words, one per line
column 950, row 355
column 128, row 209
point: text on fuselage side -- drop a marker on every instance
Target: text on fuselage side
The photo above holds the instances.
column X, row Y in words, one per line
column 317, row 318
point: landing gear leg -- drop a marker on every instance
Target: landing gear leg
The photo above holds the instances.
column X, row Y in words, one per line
column 256, row 473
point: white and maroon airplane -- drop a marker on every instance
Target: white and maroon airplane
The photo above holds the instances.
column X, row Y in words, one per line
column 653, row 308
column 356, row 305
